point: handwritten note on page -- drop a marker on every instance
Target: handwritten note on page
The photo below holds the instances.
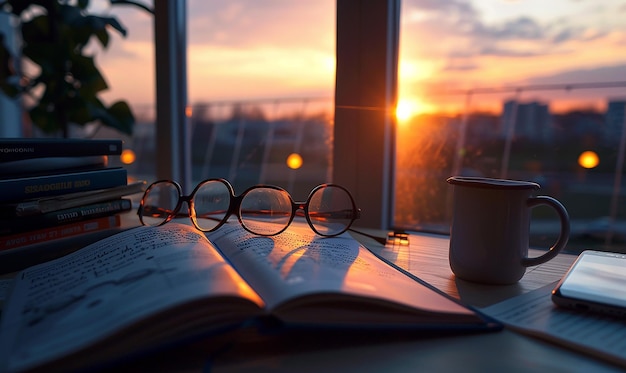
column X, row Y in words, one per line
column 60, row 306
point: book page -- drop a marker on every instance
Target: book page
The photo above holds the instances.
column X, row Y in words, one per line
column 298, row 263
column 63, row 305
column 534, row 313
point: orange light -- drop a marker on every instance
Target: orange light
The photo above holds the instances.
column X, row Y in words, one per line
column 405, row 110
column 588, row 159
column 409, row 107
column 294, row 161
column 188, row 111
column 128, row 156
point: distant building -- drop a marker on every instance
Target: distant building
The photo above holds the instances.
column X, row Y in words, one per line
column 482, row 126
column 614, row 119
column 530, row 121
column 584, row 126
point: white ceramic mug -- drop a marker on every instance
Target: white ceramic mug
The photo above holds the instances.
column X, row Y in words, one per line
column 490, row 229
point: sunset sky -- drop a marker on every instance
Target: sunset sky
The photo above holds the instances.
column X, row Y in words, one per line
column 251, row 49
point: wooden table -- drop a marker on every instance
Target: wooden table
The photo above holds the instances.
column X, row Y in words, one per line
column 426, row 256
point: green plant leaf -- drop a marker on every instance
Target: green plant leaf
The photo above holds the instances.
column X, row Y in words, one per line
column 80, row 111
column 43, row 118
column 103, row 37
column 9, row 89
column 47, row 56
column 6, row 70
column 65, row 82
column 101, row 23
column 18, row 6
column 36, row 30
column 118, row 116
column 90, row 80
column 69, row 14
column 83, row 4
column 133, row 3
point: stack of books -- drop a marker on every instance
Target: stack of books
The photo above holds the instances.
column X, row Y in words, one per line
column 57, row 188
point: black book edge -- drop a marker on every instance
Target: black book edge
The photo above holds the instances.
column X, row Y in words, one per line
column 12, row 149
column 50, row 165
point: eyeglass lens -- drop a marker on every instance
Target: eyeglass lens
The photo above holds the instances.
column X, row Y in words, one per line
column 263, row 210
column 266, row 211
column 159, row 203
column 210, row 204
column 331, row 210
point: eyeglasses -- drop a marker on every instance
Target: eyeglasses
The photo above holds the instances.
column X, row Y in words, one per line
column 264, row 210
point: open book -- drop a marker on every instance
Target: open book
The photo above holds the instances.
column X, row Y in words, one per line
column 149, row 285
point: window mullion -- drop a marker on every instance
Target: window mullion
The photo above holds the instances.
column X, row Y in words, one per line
column 365, row 100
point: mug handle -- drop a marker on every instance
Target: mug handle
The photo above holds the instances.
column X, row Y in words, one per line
column 563, row 236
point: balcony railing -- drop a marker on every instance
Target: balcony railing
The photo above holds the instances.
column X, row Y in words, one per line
column 285, row 141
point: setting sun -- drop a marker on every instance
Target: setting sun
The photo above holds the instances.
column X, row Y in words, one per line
column 408, row 108
column 404, row 110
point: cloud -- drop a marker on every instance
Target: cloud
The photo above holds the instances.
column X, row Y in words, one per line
column 460, row 64
column 563, row 36
column 454, row 8
column 506, row 52
column 610, row 73
column 544, row 36
column 519, row 28
column 451, row 27
column 243, row 23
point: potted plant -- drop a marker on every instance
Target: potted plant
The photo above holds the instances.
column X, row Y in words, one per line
column 56, row 76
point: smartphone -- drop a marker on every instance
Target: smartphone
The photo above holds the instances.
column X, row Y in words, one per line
column 596, row 282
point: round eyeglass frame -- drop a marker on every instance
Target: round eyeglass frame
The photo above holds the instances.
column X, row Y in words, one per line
column 234, row 206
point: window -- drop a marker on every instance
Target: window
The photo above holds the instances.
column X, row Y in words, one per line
column 515, row 90
column 260, row 79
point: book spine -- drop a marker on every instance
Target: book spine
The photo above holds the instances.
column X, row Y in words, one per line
column 50, row 165
column 16, row 149
column 63, row 231
column 58, row 184
column 65, row 216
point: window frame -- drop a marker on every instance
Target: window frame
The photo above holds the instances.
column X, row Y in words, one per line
column 365, row 101
column 172, row 135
